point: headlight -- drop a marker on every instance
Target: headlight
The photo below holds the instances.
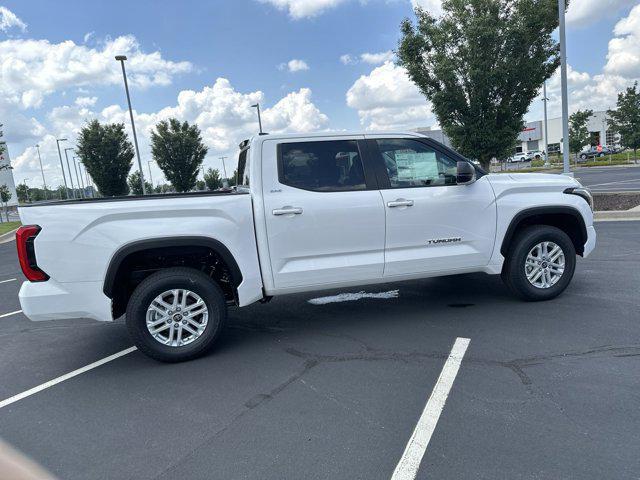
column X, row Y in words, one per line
column 581, row 192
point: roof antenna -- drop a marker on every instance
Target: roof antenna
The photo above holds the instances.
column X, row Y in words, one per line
column 257, row 107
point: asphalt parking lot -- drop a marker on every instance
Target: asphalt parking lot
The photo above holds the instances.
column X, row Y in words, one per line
column 610, row 179
column 299, row 390
column 600, row 179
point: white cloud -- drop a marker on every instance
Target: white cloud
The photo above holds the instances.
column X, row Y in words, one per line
column 432, row 6
column 623, row 57
column 224, row 115
column 347, row 59
column 370, row 58
column 586, row 12
column 304, row 8
column 377, row 58
column 32, row 69
column 9, row 20
column 294, row 65
column 86, row 101
column 388, row 99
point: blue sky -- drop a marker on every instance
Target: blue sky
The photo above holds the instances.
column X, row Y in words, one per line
column 186, row 46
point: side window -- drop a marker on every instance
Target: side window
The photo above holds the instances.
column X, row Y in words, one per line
column 243, row 168
column 325, row 166
column 411, row 163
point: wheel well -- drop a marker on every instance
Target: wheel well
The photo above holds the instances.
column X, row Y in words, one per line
column 132, row 264
column 567, row 219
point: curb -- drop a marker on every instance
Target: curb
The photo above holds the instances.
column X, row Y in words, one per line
column 617, row 215
column 8, row 237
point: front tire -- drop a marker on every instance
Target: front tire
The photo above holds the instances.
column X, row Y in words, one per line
column 540, row 263
column 176, row 314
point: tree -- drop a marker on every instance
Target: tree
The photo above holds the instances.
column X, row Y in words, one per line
column 480, row 65
column 212, row 179
column 107, row 154
column 23, row 192
column 179, row 151
column 135, row 185
column 625, row 119
column 578, row 132
column 234, row 178
column 5, row 196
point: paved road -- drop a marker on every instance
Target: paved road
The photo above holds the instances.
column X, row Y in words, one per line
column 610, row 179
column 603, row 179
column 295, row 390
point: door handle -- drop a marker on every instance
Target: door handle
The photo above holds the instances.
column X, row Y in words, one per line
column 401, row 202
column 287, row 211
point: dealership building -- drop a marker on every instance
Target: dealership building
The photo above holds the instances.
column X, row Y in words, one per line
column 6, row 175
column 532, row 137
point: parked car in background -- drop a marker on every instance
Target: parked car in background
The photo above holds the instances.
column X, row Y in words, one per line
column 594, row 152
column 527, row 156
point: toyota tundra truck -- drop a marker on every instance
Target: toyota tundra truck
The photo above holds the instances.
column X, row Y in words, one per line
column 309, row 212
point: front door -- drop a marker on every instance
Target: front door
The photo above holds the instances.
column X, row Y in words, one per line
column 433, row 224
column 325, row 218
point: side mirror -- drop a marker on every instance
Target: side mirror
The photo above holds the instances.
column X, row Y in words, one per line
column 465, row 173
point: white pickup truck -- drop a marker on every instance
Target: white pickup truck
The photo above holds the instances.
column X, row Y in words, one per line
column 310, row 212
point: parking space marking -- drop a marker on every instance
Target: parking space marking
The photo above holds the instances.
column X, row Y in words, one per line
column 10, row 313
column 409, row 463
column 7, row 281
column 64, row 377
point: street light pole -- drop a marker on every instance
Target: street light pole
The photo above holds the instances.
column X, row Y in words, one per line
column 44, row 183
column 78, row 166
column 150, row 177
column 75, row 168
column 121, row 59
column 73, row 187
column 563, row 82
column 66, row 188
column 546, row 125
column 225, row 181
column 257, row 107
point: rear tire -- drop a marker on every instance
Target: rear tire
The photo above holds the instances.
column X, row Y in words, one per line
column 534, row 269
column 184, row 309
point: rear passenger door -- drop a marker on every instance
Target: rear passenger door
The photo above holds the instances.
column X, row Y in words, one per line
column 325, row 218
column 433, row 224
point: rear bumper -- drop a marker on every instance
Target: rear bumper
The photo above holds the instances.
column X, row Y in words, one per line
column 51, row 300
column 590, row 244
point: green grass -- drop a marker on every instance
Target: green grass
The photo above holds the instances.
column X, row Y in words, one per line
column 8, row 226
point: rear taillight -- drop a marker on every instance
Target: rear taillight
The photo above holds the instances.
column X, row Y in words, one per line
column 25, row 237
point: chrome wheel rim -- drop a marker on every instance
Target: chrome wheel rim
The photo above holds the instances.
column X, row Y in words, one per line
column 544, row 265
column 177, row 317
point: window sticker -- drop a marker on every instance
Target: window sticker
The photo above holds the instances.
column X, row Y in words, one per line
column 416, row 165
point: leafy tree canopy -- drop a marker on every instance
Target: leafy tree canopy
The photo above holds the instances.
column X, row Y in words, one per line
column 625, row 119
column 480, row 65
column 212, row 179
column 5, row 194
column 23, row 192
column 135, row 185
column 107, row 155
column 578, row 132
column 234, row 178
column 179, row 151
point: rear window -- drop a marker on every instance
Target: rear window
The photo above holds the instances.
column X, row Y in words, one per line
column 243, row 168
column 324, row 166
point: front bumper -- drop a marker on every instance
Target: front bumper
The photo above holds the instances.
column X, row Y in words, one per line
column 590, row 244
column 52, row 300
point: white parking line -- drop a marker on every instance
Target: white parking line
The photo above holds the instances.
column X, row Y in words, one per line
column 10, row 313
column 408, row 466
column 7, row 281
column 64, row 377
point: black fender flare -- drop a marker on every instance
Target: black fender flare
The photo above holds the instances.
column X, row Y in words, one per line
column 141, row 245
column 537, row 211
